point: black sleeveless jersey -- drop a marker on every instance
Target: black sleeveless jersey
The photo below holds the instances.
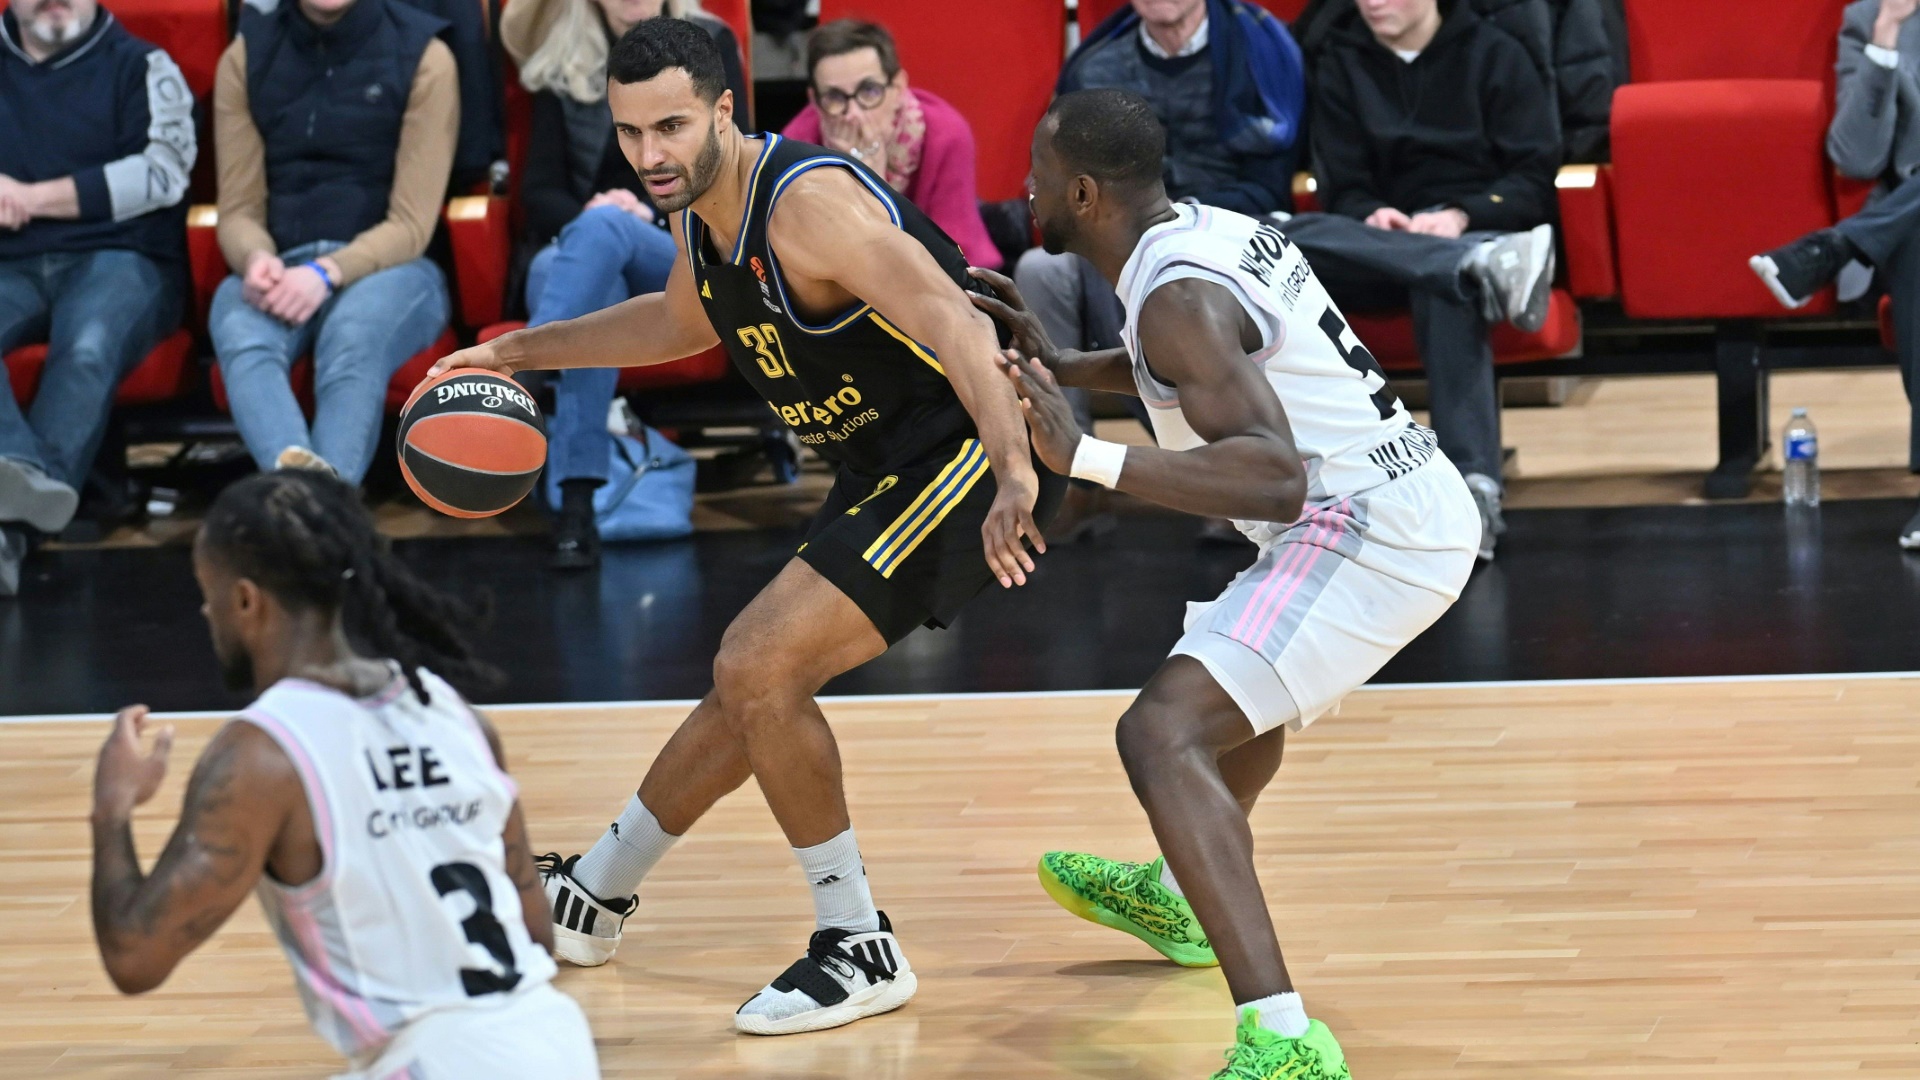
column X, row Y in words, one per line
column 855, row 387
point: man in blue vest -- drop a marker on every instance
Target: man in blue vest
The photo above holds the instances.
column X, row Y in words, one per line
column 336, row 122
column 96, row 141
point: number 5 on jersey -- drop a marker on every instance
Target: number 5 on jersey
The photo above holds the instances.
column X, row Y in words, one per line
column 1360, row 360
column 764, row 340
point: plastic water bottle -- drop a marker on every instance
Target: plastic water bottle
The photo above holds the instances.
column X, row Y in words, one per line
column 1802, row 443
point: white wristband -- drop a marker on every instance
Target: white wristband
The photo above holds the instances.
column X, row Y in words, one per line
column 1098, row 461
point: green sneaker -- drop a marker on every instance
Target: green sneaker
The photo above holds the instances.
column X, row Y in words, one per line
column 1259, row 1054
column 1127, row 897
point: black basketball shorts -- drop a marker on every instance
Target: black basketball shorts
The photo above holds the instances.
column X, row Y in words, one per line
column 906, row 547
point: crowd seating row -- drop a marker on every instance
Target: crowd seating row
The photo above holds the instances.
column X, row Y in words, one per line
column 1717, row 154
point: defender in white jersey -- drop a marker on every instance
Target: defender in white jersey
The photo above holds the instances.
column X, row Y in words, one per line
column 1266, row 410
column 362, row 800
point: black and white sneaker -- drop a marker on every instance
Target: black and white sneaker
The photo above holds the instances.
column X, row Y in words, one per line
column 1793, row 274
column 586, row 929
column 844, row 976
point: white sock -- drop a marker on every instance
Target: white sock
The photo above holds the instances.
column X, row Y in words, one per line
column 624, row 854
column 1167, row 882
column 839, row 883
column 1282, row 1014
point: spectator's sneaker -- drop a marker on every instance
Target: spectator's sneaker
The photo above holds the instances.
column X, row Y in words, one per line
column 299, row 457
column 586, row 929
column 1127, row 897
column 30, row 496
column 1910, row 535
column 576, row 540
column 1515, row 272
column 13, row 552
column 844, row 977
column 1259, row 1054
column 1486, row 496
column 1795, row 272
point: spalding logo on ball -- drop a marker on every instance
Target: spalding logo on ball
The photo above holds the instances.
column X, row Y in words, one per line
column 471, row 443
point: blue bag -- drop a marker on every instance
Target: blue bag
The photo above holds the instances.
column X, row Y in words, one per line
column 649, row 490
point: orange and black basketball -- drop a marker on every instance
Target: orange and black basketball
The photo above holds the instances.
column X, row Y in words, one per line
column 471, row 443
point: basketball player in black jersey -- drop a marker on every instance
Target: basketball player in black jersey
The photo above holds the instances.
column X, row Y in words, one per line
column 846, row 308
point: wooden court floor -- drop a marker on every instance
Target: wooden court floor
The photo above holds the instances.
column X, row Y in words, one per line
column 1652, row 881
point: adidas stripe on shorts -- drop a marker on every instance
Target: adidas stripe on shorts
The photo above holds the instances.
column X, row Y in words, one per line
column 1335, row 595
column 906, row 546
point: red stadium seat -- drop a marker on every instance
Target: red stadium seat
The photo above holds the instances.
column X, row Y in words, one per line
column 1718, row 149
column 163, row 375
column 1718, row 154
column 1389, row 337
column 692, row 370
column 1023, row 43
column 480, row 229
column 193, row 32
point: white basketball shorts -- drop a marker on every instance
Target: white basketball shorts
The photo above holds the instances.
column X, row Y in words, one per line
column 1335, row 595
column 536, row 1033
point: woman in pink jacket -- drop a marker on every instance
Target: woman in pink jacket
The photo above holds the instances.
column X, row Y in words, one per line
column 860, row 105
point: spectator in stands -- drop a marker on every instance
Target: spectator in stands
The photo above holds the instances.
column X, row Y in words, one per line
column 335, row 123
column 1435, row 146
column 1225, row 78
column 96, row 141
column 1875, row 135
column 589, row 217
column 1572, row 41
column 859, row 103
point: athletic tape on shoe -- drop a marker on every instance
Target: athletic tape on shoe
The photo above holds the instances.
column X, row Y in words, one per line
column 1098, row 461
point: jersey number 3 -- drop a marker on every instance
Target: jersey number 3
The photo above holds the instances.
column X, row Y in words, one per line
column 764, row 340
column 482, row 928
column 1360, row 360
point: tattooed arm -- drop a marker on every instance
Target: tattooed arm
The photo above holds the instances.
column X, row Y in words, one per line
column 237, row 803
column 519, row 855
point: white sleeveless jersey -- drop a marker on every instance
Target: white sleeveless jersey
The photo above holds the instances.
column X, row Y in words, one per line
column 413, row 910
column 1352, row 431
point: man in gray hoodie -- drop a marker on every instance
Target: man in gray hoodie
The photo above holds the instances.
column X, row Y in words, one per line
column 1875, row 135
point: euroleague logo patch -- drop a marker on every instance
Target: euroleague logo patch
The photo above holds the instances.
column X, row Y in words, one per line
column 758, row 270
column 492, row 394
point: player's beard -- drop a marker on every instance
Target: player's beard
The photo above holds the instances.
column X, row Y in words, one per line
column 1053, row 238
column 705, row 168
column 236, row 668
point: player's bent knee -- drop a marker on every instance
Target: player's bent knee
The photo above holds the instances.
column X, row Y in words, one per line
column 1150, row 739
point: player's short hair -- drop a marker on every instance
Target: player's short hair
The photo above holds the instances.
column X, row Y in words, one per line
column 1110, row 135
column 657, row 45
column 842, row 36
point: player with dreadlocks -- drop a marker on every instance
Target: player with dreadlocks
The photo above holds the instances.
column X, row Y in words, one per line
column 359, row 796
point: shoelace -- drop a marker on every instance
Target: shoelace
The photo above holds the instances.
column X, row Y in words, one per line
column 551, row 865
column 1129, row 879
column 824, row 949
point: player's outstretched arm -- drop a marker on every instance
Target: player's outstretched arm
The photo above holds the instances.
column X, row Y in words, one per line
column 237, row 802
column 1108, row 369
column 655, row 328
column 829, row 227
column 1196, row 336
column 518, row 854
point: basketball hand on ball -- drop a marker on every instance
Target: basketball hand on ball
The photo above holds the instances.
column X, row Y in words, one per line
column 126, row 775
column 482, row 356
